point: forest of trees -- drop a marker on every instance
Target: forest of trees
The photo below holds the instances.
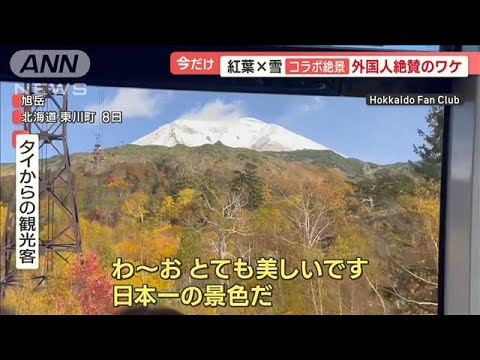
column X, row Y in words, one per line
column 214, row 202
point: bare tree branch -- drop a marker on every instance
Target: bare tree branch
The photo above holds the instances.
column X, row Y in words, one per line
column 413, row 274
column 374, row 288
column 224, row 214
column 310, row 216
column 421, row 303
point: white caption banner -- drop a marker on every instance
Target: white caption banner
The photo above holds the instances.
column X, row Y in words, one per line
column 360, row 66
column 27, row 194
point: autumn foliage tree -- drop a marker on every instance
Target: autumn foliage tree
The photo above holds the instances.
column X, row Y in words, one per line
column 416, row 259
column 92, row 286
column 173, row 208
column 211, row 202
column 79, row 287
column 136, row 206
column 149, row 247
column 3, row 218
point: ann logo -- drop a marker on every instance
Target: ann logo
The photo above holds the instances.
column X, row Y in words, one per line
column 58, row 64
column 50, row 63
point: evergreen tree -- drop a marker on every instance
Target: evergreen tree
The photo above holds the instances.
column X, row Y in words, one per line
column 250, row 183
column 430, row 151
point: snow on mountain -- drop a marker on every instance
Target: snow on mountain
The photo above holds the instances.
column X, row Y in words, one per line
column 245, row 132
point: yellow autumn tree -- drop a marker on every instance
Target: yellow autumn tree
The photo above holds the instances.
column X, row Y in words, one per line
column 186, row 197
column 169, row 208
column 149, row 248
column 419, row 289
column 53, row 297
column 136, row 206
column 426, row 212
column 351, row 243
column 172, row 208
column 3, row 219
column 98, row 238
column 116, row 183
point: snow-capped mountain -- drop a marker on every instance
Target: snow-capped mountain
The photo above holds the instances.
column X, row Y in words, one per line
column 245, row 132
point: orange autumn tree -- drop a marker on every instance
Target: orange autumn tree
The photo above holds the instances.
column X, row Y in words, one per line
column 149, row 247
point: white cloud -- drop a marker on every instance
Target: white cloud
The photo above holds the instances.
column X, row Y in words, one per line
column 138, row 103
column 216, row 110
column 314, row 104
column 301, row 110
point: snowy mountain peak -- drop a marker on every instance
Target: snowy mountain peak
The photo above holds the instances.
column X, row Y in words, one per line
column 244, row 132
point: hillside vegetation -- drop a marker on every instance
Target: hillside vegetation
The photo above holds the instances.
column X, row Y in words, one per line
column 146, row 203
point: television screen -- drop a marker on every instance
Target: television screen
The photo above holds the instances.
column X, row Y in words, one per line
column 208, row 202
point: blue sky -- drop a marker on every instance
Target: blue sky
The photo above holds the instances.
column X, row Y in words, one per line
column 382, row 134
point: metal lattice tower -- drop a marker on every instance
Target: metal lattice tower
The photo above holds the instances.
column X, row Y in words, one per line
column 59, row 231
column 98, row 155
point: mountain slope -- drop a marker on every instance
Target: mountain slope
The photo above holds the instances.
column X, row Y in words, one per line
column 247, row 132
column 177, row 154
